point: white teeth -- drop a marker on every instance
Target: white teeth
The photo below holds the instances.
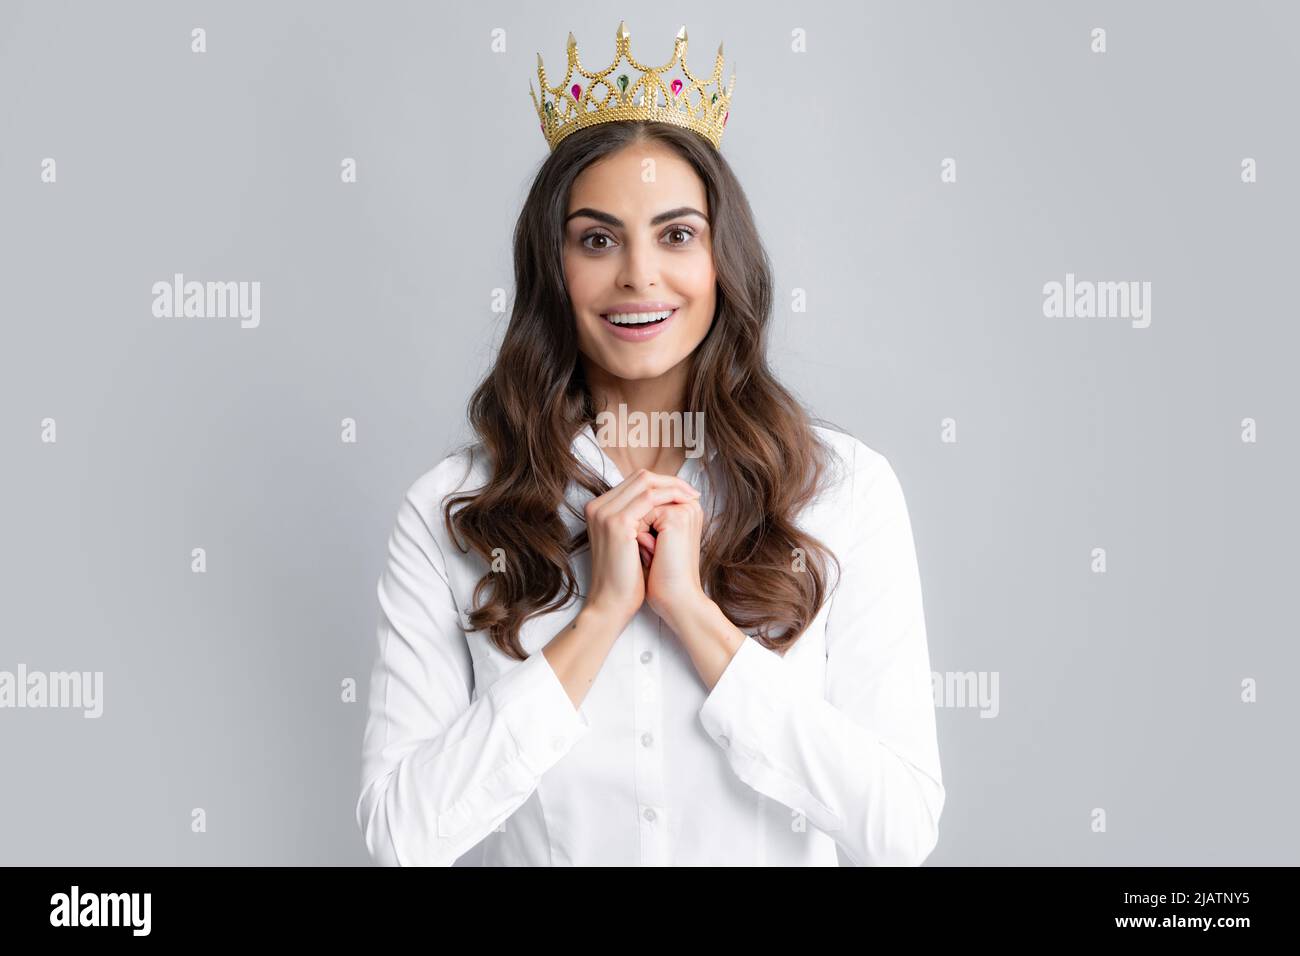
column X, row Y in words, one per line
column 638, row 318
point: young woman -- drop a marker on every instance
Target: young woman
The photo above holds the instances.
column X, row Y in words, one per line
column 644, row 654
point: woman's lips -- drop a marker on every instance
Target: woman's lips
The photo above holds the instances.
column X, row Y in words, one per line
column 638, row 333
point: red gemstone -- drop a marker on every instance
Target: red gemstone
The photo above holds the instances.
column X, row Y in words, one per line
column 576, row 91
column 677, row 87
column 724, row 119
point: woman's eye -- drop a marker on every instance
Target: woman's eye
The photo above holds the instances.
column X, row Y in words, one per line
column 607, row 241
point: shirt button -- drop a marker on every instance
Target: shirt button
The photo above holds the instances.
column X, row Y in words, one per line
column 724, row 740
column 647, row 739
column 558, row 743
column 645, row 657
column 649, row 814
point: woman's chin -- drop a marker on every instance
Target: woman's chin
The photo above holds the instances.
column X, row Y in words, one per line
column 644, row 369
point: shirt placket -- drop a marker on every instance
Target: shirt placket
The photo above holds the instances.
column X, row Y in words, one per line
column 647, row 740
column 648, row 636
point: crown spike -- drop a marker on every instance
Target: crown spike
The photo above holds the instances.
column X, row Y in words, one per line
column 643, row 95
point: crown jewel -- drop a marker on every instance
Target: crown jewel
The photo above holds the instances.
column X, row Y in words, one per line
column 699, row 103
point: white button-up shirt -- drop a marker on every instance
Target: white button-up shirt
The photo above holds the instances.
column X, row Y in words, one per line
column 826, row 755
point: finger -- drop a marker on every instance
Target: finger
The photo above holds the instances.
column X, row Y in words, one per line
column 646, row 541
column 651, row 498
column 655, row 516
column 638, row 483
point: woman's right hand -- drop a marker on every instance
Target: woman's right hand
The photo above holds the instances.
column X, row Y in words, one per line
column 617, row 530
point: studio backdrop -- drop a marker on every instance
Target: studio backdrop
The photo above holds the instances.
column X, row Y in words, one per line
column 1040, row 256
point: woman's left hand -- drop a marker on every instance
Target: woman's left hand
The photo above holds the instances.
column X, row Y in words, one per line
column 673, row 580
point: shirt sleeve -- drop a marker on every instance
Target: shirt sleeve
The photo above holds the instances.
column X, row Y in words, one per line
column 442, row 767
column 862, row 761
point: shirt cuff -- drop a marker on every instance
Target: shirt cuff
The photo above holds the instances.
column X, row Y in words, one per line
column 750, row 714
column 542, row 719
column 740, row 707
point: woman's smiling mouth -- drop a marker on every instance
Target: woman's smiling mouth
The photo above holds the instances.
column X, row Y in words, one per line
column 638, row 326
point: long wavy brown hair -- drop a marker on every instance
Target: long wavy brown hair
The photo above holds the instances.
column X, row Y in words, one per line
column 769, row 461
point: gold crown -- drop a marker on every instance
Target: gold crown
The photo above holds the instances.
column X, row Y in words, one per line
column 690, row 104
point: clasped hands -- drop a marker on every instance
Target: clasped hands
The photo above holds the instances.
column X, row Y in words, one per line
column 645, row 547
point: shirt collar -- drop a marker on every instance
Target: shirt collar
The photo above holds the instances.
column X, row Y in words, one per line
column 587, row 449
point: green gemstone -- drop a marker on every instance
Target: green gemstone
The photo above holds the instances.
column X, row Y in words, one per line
column 547, row 107
column 622, row 82
column 715, row 98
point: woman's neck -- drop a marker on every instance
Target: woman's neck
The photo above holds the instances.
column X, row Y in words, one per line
column 627, row 400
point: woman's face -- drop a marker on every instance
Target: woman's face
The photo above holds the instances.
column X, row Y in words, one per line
column 637, row 240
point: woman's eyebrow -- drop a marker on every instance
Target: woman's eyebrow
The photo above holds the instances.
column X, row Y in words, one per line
column 609, row 220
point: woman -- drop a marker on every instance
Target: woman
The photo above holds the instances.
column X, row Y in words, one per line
column 594, row 653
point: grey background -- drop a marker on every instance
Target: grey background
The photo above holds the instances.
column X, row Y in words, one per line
column 222, row 690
